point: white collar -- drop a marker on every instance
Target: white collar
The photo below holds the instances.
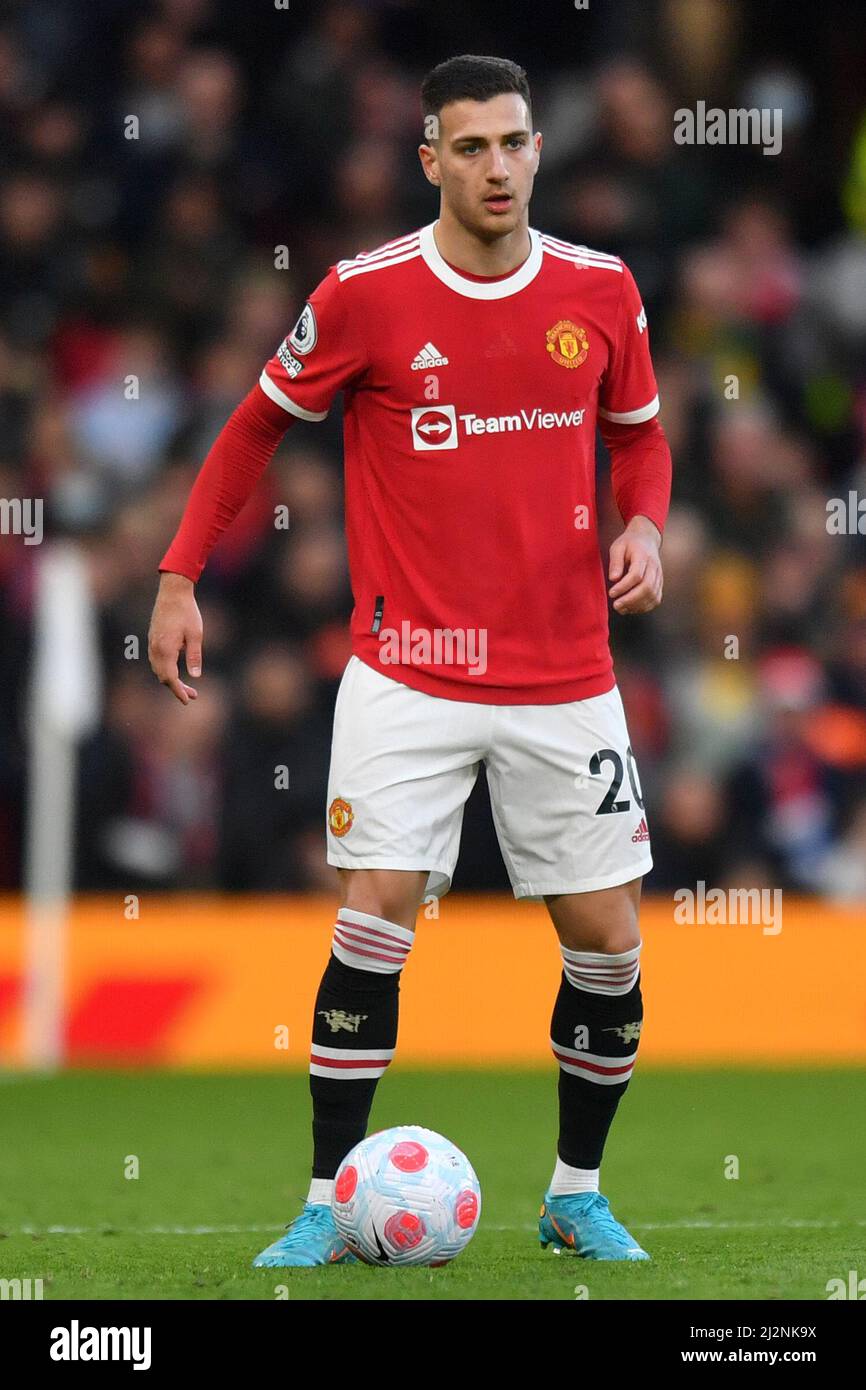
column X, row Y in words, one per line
column 481, row 289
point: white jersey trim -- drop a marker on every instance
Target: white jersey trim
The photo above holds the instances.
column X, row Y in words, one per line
column 559, row 245
column 390, row 248
column 594, row 260
column 396, row 257
column 632, row 417
column 271, row 389
column 480, row 289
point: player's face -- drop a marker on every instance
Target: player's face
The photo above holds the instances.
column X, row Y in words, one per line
column 485, row 161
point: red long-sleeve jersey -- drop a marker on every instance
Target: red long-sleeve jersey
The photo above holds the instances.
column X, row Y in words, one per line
column 470, row 408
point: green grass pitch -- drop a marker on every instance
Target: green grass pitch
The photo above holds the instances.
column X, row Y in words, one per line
column 223, row 1165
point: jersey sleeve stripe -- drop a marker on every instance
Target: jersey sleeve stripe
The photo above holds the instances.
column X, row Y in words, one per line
column 571, row 246
column 389, row 249
column 367, row 268
column 271, row 389
column 577, row 258
column 632, row 417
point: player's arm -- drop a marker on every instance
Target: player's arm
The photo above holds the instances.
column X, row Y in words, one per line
column 238, row 457
column 319, row 357
column 640, row 459
column 640, row 466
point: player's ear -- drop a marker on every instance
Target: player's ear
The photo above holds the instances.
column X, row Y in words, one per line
column 537, row 142
column 430, row 164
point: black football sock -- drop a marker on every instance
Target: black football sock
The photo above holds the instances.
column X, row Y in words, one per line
column 594, row 1033
column 354, row 1032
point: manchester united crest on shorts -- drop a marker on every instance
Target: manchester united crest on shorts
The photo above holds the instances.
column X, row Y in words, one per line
column 340, row 817
column 567, row 344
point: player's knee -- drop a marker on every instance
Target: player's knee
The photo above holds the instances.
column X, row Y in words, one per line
column 392, row 894
column 609, row 933
column 606, row 921
column 610, row 939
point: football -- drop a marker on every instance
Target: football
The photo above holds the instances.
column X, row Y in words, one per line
column 406, row 1196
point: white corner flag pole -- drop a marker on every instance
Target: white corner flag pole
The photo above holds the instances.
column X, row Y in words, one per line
column 63, row 705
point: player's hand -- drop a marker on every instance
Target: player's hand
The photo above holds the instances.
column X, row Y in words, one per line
column 175, row 626
column 635, row 568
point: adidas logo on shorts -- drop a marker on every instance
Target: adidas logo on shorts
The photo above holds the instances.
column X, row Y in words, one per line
column 428, row 357
column 642, row 832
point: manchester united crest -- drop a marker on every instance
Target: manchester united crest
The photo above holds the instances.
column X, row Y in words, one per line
column 567, row 344
column 340, row 817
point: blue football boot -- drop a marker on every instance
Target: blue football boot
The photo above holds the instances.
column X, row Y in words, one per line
column 311, row 1239
column 582, row 1222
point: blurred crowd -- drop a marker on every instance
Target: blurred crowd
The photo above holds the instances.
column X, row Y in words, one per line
column 154, row 157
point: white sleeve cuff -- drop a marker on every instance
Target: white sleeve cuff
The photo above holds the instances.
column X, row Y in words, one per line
column 271, row 389
column 632, row 417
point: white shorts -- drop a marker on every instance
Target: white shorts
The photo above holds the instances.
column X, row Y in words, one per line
column 564, row 788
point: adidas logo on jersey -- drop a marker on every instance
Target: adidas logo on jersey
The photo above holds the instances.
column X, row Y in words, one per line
column 642, row 832
column 428, row 357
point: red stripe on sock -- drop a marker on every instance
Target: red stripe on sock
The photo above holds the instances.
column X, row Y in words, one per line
column 345, row 935
column 341, row 1063
column 590, row 965
column 592, row 1066
column 350, row 946
column 357, row 926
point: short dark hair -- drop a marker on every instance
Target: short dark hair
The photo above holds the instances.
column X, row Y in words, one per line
column 471, row 78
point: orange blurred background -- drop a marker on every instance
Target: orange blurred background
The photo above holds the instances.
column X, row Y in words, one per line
column 199, row 981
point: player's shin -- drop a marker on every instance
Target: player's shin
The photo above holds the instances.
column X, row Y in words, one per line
column 594, row 1032
column 354, row 1035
